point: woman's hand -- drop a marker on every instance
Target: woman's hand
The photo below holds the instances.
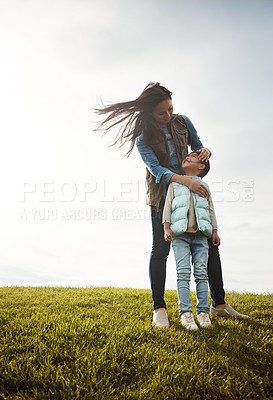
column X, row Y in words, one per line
column 203, row 154
column 194, row 185
column 198, row 188
column 215, row 238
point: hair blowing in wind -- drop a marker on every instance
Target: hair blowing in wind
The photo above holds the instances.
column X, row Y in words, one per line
column 134, row 117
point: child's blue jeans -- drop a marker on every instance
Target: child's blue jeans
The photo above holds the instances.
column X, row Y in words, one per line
column 195, row 246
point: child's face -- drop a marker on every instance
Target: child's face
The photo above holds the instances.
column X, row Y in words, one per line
column 190, row 160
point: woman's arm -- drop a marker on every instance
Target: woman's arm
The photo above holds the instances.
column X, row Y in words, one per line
column 151, row 161
column 195, row 143
column 153, row 165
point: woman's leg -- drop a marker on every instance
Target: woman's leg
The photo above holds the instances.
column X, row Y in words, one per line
column 158, row 259
column 217, row 292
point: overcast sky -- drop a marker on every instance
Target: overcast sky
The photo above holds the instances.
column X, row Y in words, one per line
column 73, row 210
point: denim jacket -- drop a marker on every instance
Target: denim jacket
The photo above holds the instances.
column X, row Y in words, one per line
column 157, row 175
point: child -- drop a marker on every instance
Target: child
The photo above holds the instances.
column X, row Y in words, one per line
column 189, row 220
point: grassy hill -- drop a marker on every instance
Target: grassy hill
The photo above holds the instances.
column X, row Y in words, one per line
column 98, row 343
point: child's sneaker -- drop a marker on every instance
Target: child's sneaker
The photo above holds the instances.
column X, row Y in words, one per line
column 188, row 322
column 203, row 319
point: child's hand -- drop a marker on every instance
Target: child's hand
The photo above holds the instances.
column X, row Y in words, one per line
column 215, row 238
column 168, row 234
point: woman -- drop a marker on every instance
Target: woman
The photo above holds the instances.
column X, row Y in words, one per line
column 162, row 139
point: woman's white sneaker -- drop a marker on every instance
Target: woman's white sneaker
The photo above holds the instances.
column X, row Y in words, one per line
column 228, row 311
column 203, row 319
column 160, row 319
column 188, row 322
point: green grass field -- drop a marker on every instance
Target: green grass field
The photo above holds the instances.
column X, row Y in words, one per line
column 98, row 343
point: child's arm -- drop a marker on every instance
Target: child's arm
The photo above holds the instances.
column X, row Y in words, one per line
column 166, row 217
column 168, row 233
column 215, row 237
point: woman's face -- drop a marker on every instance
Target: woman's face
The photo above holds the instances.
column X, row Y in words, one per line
column 162, row 113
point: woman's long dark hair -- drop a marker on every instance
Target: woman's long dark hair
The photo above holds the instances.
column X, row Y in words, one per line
column 135, row 116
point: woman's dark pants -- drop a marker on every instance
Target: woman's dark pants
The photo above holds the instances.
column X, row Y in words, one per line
column 158, row 259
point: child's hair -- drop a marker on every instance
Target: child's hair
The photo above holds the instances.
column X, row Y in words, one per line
column 205, row 170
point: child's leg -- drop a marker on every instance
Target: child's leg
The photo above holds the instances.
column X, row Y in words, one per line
column 181, row 248
column 200, row 250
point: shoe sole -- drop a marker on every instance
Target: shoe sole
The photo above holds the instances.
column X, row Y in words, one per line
column 228, row 316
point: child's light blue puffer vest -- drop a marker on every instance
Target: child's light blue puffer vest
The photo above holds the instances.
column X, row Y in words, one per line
column 180, row 207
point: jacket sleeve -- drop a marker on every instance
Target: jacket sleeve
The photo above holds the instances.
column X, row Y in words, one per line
column 151, row 161
column 212, row 212
column 167, row 211
column 193, row 140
